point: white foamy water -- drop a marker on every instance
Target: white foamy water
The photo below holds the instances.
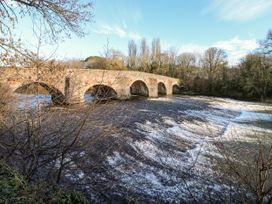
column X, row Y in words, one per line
column 189, row 141
column 247, row 116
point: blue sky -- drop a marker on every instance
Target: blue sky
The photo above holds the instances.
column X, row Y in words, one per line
column 187, row 25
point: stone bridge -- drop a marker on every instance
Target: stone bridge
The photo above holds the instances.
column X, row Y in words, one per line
column 70, row 85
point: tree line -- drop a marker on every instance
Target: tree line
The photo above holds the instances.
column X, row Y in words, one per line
column 209, row 73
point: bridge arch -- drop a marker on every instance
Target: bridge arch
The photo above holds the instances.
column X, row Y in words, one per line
column 161, row 88
column 176, row 89
column 140, row 88
column 57, row 97
column 101, row 92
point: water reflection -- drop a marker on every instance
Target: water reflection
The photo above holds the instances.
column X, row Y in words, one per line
column 23, row 101
column 88, row 98
column 29, row 101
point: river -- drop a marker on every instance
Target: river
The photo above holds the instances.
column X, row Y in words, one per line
column 166, row 149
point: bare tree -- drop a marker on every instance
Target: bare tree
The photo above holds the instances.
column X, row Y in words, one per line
column 156, row 54
column 212, row 61
column 132, row 54
column 56, row 18
column 266, row 45
column 144, row 55
column 187, row 59
column 116, row 60
column 173, row 59
column 156, row 50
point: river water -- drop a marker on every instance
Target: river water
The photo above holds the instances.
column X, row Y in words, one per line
column 163, row 149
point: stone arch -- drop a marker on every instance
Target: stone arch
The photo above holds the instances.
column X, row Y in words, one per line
column 140, row 88
column 161, row 88
column 100, row 92
column 176, row 89
column 57, row 96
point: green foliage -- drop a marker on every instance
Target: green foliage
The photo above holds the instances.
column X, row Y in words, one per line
column 12, row 186
column 68, row 196
column 256, row 76
column 14, row 189
column 180, row 82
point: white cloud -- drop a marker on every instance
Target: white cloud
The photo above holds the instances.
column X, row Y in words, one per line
column 235, row 47
column 117, row 30
column 239, row 10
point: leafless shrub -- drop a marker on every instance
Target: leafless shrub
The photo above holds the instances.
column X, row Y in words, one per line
column 49, row 143
column 247, row 172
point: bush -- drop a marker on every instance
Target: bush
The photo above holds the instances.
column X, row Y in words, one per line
column 14, row 189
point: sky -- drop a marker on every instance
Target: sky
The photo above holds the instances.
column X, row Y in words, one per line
column 188, row 25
